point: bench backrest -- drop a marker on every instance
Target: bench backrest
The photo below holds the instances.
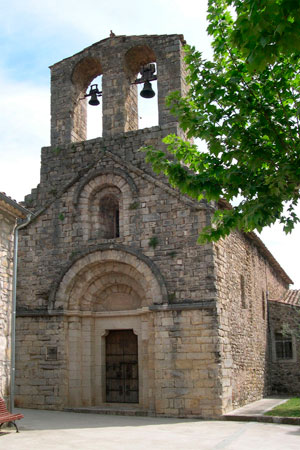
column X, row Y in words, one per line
column 3, row 409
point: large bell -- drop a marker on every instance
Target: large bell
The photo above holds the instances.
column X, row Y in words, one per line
column 147, row 91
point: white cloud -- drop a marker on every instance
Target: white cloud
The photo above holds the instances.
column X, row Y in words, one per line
column 24, row 129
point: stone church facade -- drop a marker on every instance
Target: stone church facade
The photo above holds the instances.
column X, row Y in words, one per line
column 117, row 303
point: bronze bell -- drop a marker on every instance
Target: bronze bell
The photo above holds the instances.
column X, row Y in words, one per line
column 147, row 91
column 94, row 101
column 94, row 92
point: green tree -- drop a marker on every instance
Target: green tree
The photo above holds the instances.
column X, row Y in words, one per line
column 245, row 104
column 265, row 30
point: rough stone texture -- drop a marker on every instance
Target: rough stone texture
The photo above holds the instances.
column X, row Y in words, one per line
column 6, row 258
column 9, row 212
column 197, row 310
column 243, row 279
column 284, row 375
column 119, row 60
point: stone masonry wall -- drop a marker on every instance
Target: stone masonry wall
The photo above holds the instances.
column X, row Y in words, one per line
column 156, row 222
column 186, row 378
column 7, row 224
column 151, row 212
column 43, row 382
column 284, row 376
column 244, row 277
column 155, row 211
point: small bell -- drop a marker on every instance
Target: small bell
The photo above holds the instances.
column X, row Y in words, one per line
column 94, row 101
column 94, row 93
column 147, row 91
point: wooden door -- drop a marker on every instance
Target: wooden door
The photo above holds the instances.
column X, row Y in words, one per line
column 122, row 367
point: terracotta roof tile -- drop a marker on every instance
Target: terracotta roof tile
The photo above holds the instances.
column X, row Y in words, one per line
column 291, row 297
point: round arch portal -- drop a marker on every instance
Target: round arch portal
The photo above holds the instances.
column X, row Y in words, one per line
column 107, row 292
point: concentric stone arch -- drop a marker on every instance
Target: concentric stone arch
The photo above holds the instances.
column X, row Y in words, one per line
column 96, row 272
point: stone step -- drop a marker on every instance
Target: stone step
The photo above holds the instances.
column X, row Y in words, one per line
column 112, row 410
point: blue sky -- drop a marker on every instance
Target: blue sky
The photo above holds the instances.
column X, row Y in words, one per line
column 35, row 34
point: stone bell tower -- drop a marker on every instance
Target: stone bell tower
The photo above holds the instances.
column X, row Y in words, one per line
column 119, row 59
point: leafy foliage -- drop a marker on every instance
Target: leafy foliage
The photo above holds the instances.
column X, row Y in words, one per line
column 248, row 118
column 265, row 30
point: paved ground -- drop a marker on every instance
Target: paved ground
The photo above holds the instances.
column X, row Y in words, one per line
column 45, row 430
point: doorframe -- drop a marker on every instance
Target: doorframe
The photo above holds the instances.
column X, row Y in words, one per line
column 102, row 324
column 138, row 363
column 141, row 334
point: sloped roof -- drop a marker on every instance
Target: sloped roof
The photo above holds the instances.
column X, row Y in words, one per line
column 291, row 297
column 12, row 207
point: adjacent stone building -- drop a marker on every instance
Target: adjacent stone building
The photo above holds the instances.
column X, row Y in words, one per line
column 284, row 348
column 117, row 303
column 10, row 211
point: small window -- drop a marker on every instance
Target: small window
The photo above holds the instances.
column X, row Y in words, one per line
column 263, row 305
column 243, row 293
column 109, row 217
column 51, row 353
column 283, row 346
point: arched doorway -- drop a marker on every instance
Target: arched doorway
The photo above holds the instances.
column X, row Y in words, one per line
column 106, row 297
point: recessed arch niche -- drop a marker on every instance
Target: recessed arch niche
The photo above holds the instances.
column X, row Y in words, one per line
column 97, row 273
column 100, row 204
column 109, row 289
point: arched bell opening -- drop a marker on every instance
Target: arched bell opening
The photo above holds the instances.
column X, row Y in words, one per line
column 94, row 108
column 142, row 98
column 87, row 82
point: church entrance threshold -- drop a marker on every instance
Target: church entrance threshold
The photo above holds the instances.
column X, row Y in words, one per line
column 122, row 367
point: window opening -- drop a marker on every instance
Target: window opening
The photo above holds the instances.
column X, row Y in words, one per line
column 117, row 223
column 51, row 353
column 283, row 346
column 109, row 215
column 243, row 293
column 94, row 113
column 263, row 303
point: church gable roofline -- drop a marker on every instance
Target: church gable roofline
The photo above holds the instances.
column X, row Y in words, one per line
column 124, row 38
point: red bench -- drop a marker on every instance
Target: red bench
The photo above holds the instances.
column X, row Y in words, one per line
column 6, row 416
